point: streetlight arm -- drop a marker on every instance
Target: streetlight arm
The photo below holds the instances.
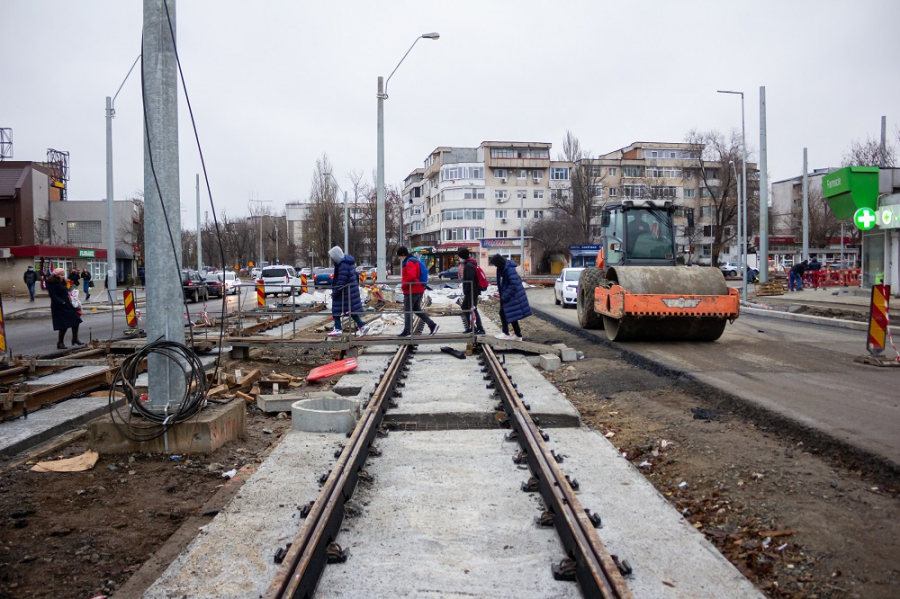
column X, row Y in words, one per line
column 112, row 107
column 384, row 94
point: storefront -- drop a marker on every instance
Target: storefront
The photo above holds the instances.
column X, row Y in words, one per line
column 444, row 255
column 45, row 258
column 509, row 248
column 583, row 255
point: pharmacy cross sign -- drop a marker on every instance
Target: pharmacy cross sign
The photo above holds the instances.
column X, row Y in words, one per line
column 864, row 218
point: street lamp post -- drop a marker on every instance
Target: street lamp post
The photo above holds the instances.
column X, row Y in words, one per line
column 742, row 217
column 381, row 237
column 346, row 217
column 260, row 202
column 110, row 212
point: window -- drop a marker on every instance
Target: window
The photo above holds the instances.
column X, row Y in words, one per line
column 539, row 194
column 632, row 171
column 594, row 171
column 521, row 214
column 83, row 231
column 6, row 222
column 500, row 233
column 453, row 173
column 664, row 172
column 613, row 171
column 596, row 191
column 559, row 194
column 500, row 173
column 613, row 192
column 538, row 175
column 521, row 174
column 673, row 154
column 654, row 154
column 559, row 174
column 500, row 213
column 662, row 191
column 474, row 194
column 476, row 172
column 539, row 214
column 712, row 173
column 690, row 193
column 707, row 231
column 501, row 194
column 463, row 234
column 633, row 191
column 532, row 153
column 463, row 214
column 522, row 194
column 705, row 211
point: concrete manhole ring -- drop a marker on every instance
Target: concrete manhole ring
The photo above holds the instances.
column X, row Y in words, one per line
column 324, row 415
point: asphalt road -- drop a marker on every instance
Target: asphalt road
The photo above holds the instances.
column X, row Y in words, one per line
column 802, row 371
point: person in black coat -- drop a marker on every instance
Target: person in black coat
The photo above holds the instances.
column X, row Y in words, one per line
column 471, row 291
column 30, row 278
column 64, row 315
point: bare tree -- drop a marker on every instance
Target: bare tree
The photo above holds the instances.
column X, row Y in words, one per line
column 324, row 224
column 823, row 225
column 718, row 186
column 583, row 202
column 42, row 229
column 868, row 153
column 553, row 233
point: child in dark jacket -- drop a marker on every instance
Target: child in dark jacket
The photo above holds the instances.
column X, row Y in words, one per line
column 513, row 300
column 471, row 292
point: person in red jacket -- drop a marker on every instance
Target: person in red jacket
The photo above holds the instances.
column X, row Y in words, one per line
column 413, row 290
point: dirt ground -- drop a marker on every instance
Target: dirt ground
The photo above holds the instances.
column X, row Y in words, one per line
column 796, row 522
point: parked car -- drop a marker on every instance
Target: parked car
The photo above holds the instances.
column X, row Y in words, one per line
column 305, row 271
column 450, row 273
column 324, row 277
column 280, row 279
column 565, row 290
column 194, row 286
column 223, row 282
column 729, row 269
column 254, row 273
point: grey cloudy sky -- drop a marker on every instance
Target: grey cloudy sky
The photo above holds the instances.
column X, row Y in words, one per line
column 274, row 84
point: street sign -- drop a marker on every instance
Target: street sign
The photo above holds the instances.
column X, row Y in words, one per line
column 85, row 253
column 889, row 217
column 865, row 218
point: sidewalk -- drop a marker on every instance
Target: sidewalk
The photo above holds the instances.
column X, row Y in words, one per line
column 851, row 299
column 23, row 308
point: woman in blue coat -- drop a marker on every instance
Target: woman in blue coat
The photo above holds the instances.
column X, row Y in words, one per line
column 345, row 300
column 513, row 300
column 64, row 315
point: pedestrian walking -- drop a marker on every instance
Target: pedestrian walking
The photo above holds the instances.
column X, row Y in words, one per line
column 64, row 315
column 345, row 300
column 513, row 300
column 413, row 289
column 468, row 270
column 142, row 274
column 86, row 283
column 30, row 278
column 796, row 276
column 74, row 277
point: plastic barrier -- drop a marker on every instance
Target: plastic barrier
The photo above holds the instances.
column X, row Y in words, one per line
column 130, row 315
column 261, row 296
column 303, row 284
column 847, row 277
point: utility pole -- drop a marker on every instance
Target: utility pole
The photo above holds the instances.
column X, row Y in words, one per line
column 764, row 191
column 199, row 229
column 162, row 202
column 380, row 235
column 805, row 255
column 522, row 230
column 260, row 202
column 881, row 161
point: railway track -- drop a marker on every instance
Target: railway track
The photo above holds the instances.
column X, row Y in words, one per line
column 587, row 561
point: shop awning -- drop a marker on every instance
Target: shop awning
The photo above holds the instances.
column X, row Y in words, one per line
column 56, row 251
column 851, row 188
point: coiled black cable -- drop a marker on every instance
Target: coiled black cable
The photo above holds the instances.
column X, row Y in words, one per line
column 155, row 424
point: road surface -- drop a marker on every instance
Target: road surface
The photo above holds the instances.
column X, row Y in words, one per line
column 802, row 371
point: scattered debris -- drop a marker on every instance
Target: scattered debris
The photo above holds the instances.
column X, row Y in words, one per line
column 80, row 463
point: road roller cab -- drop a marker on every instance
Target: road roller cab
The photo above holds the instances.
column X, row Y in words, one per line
column 637, row 291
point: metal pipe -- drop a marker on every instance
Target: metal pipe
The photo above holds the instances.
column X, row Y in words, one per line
column 805, row 215
column 763, row 247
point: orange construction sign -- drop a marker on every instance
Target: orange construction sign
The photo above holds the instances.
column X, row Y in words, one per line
column 130, row 316
column 261, row 296
column 878, row 319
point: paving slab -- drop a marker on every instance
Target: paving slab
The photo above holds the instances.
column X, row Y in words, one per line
column 24, row 433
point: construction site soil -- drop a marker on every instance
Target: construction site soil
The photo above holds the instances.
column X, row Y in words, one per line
column 796, row 522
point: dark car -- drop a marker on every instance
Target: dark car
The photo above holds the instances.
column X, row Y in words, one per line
column 450, row 273
column 324, row 277
column 194, row 286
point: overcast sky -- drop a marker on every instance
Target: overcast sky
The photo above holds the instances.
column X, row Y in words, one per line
column 274, row 84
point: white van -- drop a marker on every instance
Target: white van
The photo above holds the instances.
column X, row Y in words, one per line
column 280, row 279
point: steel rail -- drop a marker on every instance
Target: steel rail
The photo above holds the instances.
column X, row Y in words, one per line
column 595, row 569
column 303, row 564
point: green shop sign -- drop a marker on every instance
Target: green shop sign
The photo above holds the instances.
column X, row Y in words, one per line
column 865, row 218
column 85, row 253
column 888, row 217
column 851, row 188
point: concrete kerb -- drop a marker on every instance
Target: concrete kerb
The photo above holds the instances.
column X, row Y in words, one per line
column 811, row 319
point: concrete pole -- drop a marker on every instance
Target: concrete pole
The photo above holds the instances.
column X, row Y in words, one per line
column 764, row 191
column 260, row 237
column 380, row 241
column 744, row 187
column 163, row 264
column 199, row 241
column 881, row 161
column 842, row 245
column 110, row 211
column 346, row 227
column 805, row 255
